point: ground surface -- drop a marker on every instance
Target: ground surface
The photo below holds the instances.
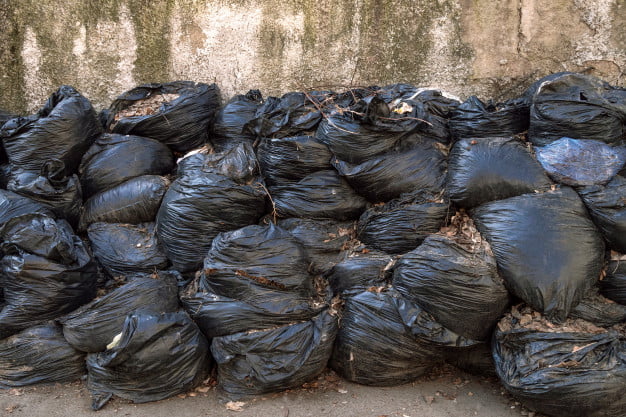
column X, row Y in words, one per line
column 447, row 392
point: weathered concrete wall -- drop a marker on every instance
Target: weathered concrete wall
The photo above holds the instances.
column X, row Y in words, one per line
column 489, row 48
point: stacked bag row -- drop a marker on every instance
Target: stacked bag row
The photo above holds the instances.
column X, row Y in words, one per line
column 379, row 231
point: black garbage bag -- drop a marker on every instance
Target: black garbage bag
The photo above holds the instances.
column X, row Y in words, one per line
column 437, row 102
column 325, row 241
column 292, row 114
column 580, row 162
column 252, row 363
column 155, row 356
column 52, row 188
column 218, row 315
column 39, row 355
column 599, row 310
column 124, row 249
column 228, row 129
column 290, row 159
column 607, row 208
column 475, row 119
column 548, row 250
column 387, row 176
column 492, row 169
column 457, row 282
column 613, row 286
column 375, row 347
column 93, row 326
column 321, row 195
column 354, row 141
column 40, row 234
column 360, row 270
column 197, row 207
column 114, row 158
column 63, row 128
column 475, row 360
column 178, row 114
column 402, row 224
column 134, row 201
column 37, row 289
column 576, row 106
column 263, row 265
column 574, row 370
column 434, row 108
column 14, row 205
column 238, row 163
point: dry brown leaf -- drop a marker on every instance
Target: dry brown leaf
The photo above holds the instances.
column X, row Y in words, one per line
column 235, row 405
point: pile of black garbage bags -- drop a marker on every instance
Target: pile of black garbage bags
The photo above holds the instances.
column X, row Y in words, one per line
column 379, row 231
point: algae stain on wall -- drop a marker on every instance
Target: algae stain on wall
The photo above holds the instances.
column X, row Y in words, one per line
column 105, row 47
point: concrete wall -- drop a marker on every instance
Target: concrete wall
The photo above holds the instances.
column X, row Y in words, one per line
column 490, row 48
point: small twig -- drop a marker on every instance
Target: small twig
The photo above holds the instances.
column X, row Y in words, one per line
column 317, row 106
column 274, row 212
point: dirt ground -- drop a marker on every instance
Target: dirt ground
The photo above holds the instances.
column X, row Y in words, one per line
column 447, row 392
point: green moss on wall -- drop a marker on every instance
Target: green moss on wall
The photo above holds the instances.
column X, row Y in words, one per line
column 151, row 19
column 11, row 88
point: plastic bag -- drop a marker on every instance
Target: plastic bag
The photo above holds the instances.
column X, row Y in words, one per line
column 387, row 176
column 218, row 315
column 42, row 235
column 548, row 250
column 93, row 326
column 113, row 159
column 354, row 137
column 39, row 355
column 254, row 278
column 613, row 286
column 14, row 205
column 238, row 163
column 52, row 188
column 228, row 129
column 134, row 201
column 125, row 248
column 252, row 363
column 607, row 208
column 574, row 370
column 375, row 347
column 288, row 160
column 492, row 169
column 457, row 283
column 324, row 241
column 435, row 108
column 576, row 106
column 178, row 114
column 360, row 270
column 402, row 224
column 63, row 128
column 197, row 207
column 321, row 195
column 599, row 310
column 156, row 356
column 36, row 288
column 292, row 114
column 263, row 265
column 580, row 162
column 475, row 119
